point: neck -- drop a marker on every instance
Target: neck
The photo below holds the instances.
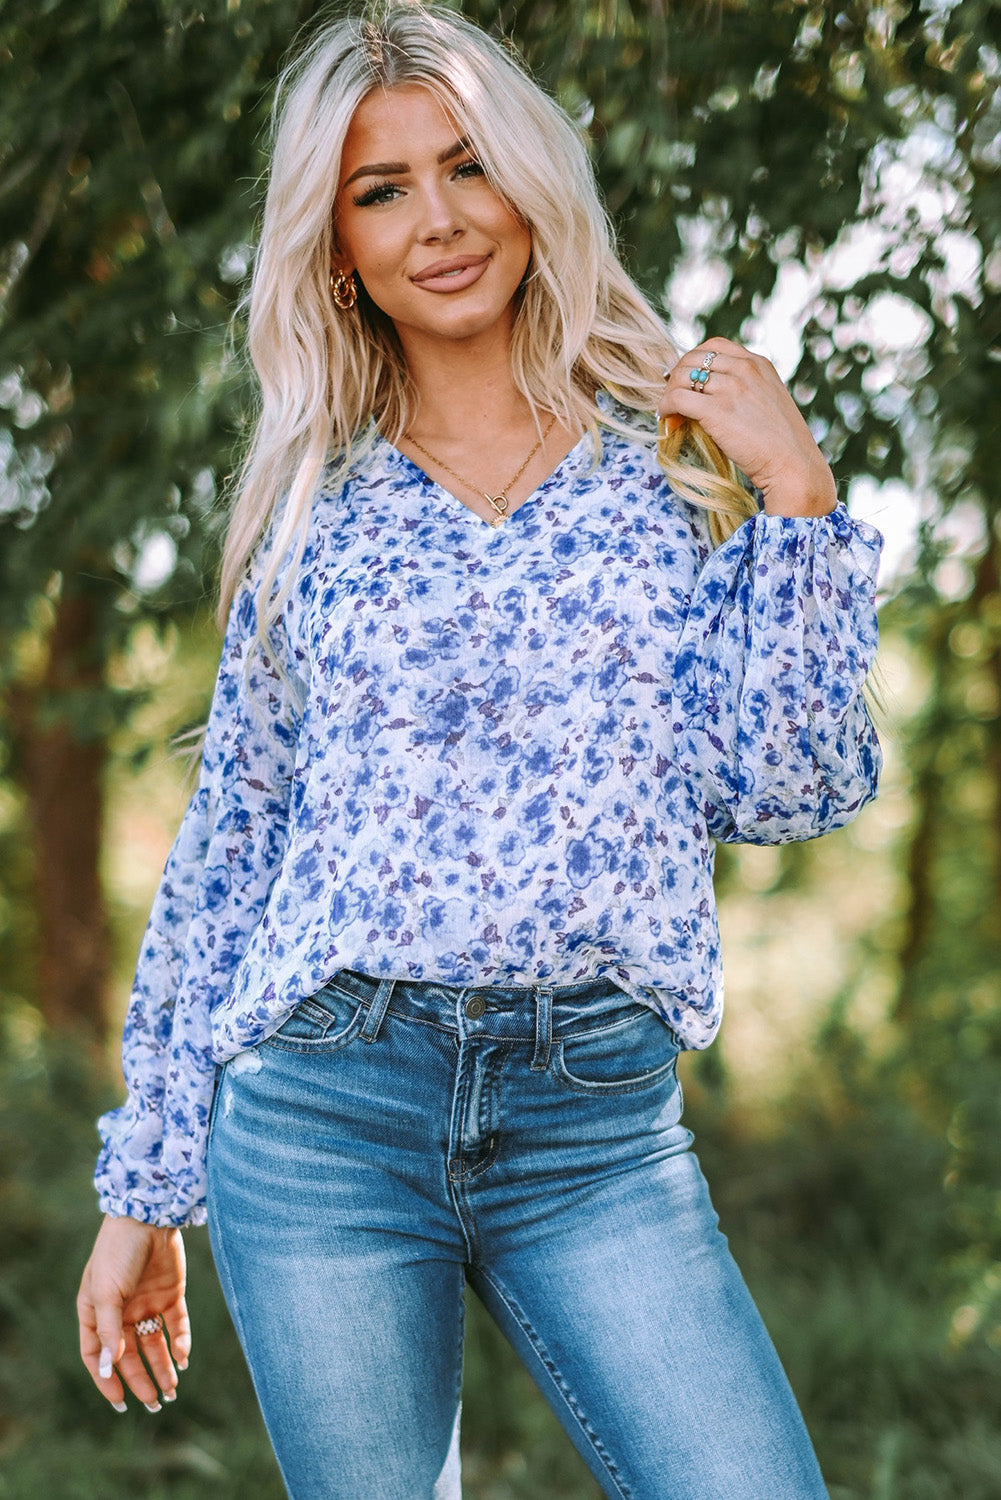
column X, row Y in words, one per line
column 460, row 385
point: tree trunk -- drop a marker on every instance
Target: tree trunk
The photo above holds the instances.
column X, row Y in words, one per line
column 62, row 772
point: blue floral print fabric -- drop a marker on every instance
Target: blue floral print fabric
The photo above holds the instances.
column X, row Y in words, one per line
column 491, row 756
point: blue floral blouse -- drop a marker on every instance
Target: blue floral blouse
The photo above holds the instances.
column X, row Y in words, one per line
column 491, row 755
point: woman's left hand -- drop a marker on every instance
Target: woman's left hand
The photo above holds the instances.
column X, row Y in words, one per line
column 745, row 408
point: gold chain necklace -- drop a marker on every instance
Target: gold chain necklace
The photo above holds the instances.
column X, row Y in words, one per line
column 499, row 502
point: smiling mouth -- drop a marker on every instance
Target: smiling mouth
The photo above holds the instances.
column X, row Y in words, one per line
column 448, row 276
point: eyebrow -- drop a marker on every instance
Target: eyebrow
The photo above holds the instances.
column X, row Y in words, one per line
column 397, row 168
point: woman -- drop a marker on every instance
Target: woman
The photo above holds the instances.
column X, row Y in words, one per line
column 498, row 671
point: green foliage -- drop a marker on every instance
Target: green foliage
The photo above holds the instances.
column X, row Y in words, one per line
column 130, row 160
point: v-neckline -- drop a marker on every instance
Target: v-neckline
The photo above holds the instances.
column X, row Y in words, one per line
column 487, row 526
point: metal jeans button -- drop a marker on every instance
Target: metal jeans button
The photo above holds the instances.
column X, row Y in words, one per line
column 475, row 1006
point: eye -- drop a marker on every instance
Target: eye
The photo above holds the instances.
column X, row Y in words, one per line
column 469, row 168
column 382, row 192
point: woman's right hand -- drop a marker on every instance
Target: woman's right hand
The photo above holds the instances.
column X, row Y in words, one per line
column 135, row 1271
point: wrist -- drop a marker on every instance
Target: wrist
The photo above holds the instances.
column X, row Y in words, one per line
column 134, row 1224
column 809, row 494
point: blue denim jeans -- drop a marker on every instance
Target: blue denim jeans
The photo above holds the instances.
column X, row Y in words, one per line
column 395, row 1139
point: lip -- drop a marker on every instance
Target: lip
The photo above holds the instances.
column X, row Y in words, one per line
column 451, row 275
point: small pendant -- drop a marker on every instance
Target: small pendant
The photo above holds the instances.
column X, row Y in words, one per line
column 499, row 503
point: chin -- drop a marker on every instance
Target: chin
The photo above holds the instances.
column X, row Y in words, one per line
column 467, row 323
column 470, row 328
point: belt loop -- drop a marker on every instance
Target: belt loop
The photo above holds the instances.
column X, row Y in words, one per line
column 377, row 1010
column 543, row 1027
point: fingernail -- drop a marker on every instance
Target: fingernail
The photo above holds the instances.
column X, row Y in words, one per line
column 182, row 1364
column 119, row 1405
column 170, row 1395
column 154, row 1407
column 104, row 1368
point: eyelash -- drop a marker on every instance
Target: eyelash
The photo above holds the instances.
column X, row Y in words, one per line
column 382, row 191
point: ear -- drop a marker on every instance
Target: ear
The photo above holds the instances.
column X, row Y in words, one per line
column 338, row 260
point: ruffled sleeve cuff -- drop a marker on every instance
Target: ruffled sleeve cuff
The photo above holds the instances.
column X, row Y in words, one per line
column 771, row 730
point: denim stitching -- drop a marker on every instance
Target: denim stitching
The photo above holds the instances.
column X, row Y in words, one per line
column 543, row 1028
column 324, row 1043
column 491, row 1137
column 619, row 1022
column 560, row 1384
column 494, row 1036
column 572, row 1084
column 377, row 1008
column 223, row 1270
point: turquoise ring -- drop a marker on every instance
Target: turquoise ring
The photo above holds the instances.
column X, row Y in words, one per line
column 700, row 376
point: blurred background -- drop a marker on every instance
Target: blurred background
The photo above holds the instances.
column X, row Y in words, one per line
column 818, row 181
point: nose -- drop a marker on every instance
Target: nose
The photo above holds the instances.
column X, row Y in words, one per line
column 441, row 220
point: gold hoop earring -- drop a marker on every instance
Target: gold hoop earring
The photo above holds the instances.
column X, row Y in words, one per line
column 343, row 290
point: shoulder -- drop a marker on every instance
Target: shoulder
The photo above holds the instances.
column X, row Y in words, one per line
column 367, row 453
column 345, row 472
column 368, row 472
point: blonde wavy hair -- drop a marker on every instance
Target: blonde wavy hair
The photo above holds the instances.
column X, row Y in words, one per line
column 328, row 380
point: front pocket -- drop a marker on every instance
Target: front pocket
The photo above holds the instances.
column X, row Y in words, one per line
column 632, row 1054
column 323, row 1022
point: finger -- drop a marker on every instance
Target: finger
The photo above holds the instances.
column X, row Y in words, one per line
column 721, row 364
column 685, row 399
column 179, row 1331
column 109, row 1331
column 672, row 422
column 678, row 376
column 153, row 1349
column 98, row 1358
column 134, row 1372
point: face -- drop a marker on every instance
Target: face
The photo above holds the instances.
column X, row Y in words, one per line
column 435, row 247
